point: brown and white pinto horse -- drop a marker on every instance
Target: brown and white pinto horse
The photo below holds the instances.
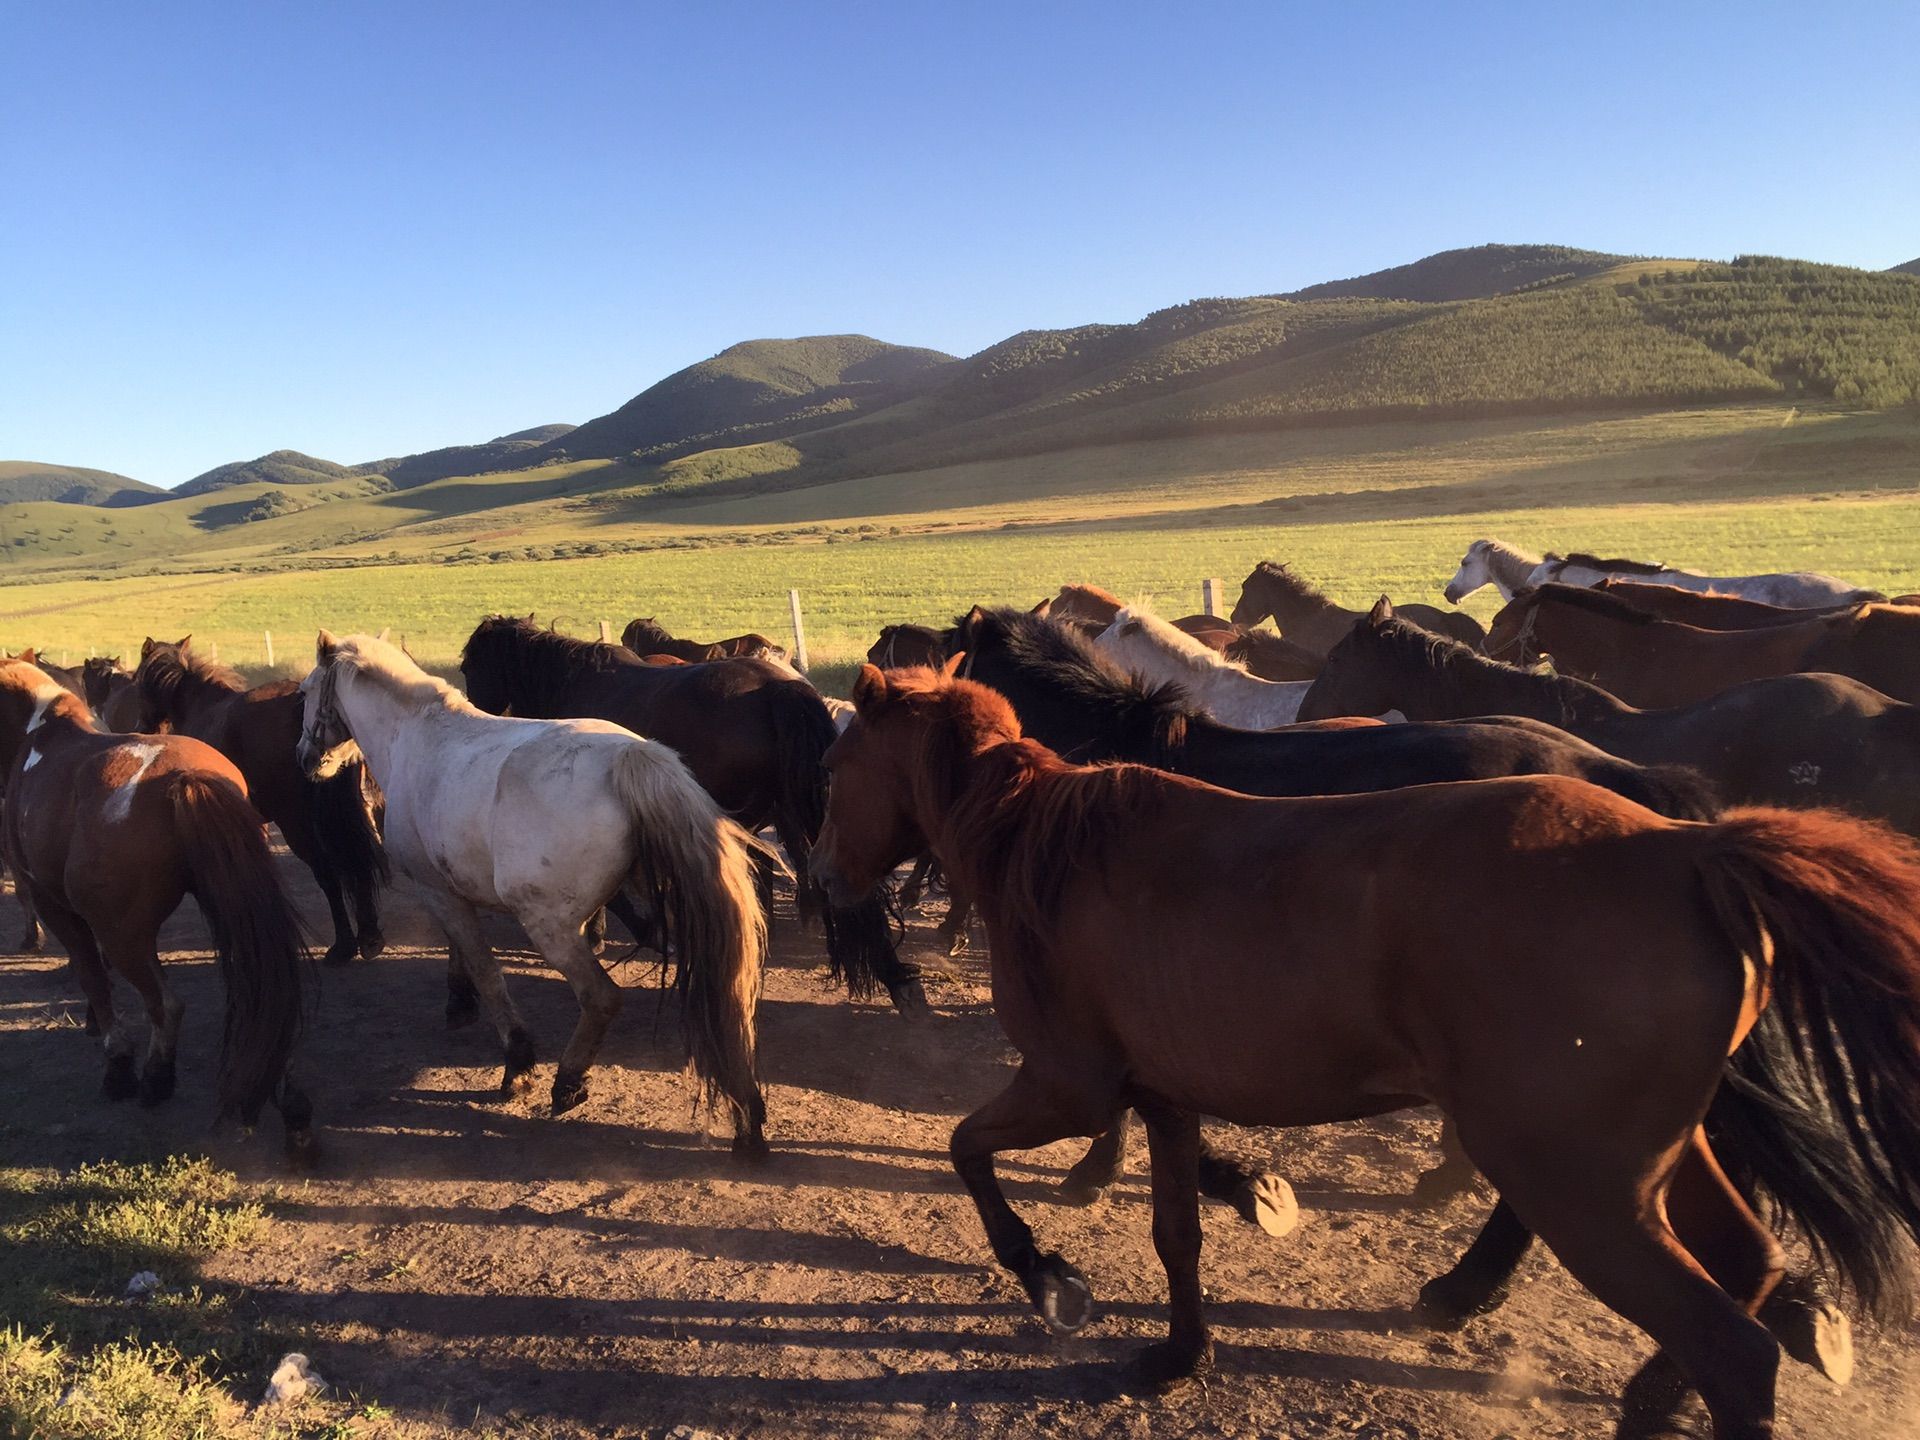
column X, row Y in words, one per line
column 1163, row 944
column 110, row 833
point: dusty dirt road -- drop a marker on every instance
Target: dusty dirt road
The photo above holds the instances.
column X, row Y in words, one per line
column 612, row 1274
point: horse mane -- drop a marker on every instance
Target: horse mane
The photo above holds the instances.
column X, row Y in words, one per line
column 647, row 626
column 533, row 660
column 1176, row 642
column 1501, row 547
column 1278, row 574
column 167, row 670
column 366, row 657
column 1093, row 592
column 1462, row 673
column 1594, row 562
column 1583, row 597
column 1067, row 662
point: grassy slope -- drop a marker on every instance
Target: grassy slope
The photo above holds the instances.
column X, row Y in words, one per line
column 69, row 484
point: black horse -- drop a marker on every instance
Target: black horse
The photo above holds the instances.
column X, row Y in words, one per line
column 752, row 735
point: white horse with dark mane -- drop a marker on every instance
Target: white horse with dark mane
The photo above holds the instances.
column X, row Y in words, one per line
column 1511, row 570
column 1163, row 654
column 547, row 820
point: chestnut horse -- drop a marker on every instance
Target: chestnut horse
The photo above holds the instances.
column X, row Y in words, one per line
column 109, row 833
column 752, row 734
column 1651, row 662
column 1161, row 944
column 1707, row 609
column 325, row 823
column 1315, row 623
column 646, row 638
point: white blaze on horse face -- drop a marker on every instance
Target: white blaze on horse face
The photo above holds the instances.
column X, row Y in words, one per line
column 120, row 803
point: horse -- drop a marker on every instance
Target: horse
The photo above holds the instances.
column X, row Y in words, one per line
column 1272, row 657
column 1095, row 608
column 750, row 732
column 1073, row 699
column 546, row 820
column 644, row 637
column 901, row 646
column 1654, row 663
column 1315, row 623
column 326, row 825
column 68, row 679
column 1143, row 643
column 1492, row 562
column 1710, row 610
column 109, row 833
column 1165, row 945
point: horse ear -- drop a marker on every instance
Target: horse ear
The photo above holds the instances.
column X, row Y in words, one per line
column 950, row 667
column 147, row 646
column 975, row 616
column 325, row 647
column 385, row 630
column 183, row 642
column 1381, row 613
column 869, row 688
column 1042, row 610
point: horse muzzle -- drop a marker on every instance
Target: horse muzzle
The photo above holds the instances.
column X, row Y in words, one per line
column 841, row 893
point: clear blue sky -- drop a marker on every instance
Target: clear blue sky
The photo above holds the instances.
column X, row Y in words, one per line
column 369, row 229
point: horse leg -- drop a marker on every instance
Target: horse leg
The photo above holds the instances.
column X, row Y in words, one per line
column 957, row 927
column 916, row 881
column 96, row 983
column 1104, row 1162
column 644, row 925
column 566, row 949
column 304, row 841
column 31, row 942
column 1611, row 1230
column 471, row 958
column 1454, row 1175
column 1173, row 1141
column 137, row 957
column 1023, row 1116
column 1258, row 1197
column 1481, row 1279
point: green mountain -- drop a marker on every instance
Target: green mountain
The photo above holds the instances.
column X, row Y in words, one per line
column 1912, row 267
column 282, row 467
column 754, row 391
column 22, row 480
column 508, row 452
column 1471, row 274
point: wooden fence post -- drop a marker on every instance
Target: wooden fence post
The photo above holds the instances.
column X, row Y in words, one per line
column 1210, row 596
column 799, row 632
column 213, row 651
column 268, row 636
column 606, row 632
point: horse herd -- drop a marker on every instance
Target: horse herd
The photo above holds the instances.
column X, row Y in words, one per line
column 1630, row 892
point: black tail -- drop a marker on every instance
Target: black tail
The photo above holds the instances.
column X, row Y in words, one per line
column 1821, row 1107
column 1675, row 791
column 256, row 936
column 344, row 823
column 860, row 940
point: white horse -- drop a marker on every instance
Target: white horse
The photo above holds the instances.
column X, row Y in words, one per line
column 547, row 820
column 1489, row 562
column 1161, row 654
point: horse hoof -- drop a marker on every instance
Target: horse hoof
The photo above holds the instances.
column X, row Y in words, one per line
column 1268, row 1201
column 956, row 945
column 1166, row 1366
column 92, row 1027
column 568, row 1091
column 1446, row 1303
column 341, row 952
column 372, row 944
column 750, row 1148
column 1816, row 1333
column 156, row 1083
column 1437, row 1186
column 302, row 1150
column 30, row 944
column 1061, row 1295
column 462, row 1011
column 120, row 1082
column 910, row 1000
column 1081, row 1192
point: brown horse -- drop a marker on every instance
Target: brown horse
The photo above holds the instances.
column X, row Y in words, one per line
column 646, row 638
column 326, row 823
column 68, row 679
column 1654, row 663
column 1163, row 944
column 110, row 833
column 1095, row 608
column 902, row 647
column 1272, row 657
column 1315, row 623
column 1708, row 610
column 111, row 694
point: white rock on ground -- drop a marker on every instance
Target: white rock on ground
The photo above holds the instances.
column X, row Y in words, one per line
column 294, row 1379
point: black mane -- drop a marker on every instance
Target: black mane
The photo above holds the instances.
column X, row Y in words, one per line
column 1581, row 597
column 1477, row 684
column 1594, row 562
column 534, row 664
column 167, row 670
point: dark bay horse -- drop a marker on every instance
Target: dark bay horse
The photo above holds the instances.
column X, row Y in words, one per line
column 645, row 638
column 751, row 733
column 902, row 646
column 1071, row 698
column 326, row 823
column 1315, row 623
column 1793, row 740
column 110, row 833
column 1162, row 944
column 1272, row 657
column 1652, row 662
column 1708, row 610
column 111, row 694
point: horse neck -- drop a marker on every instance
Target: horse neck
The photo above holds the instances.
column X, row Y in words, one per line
column 192, row 694
column 378, row 716
column 1459, row 686
column 1509, row 567
column 1312, row 616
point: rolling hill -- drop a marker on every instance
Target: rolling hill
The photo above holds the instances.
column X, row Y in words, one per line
column 1912, row 267
column 1477, row 273
column 22, row 480
column 507, row 452
column 281, row 467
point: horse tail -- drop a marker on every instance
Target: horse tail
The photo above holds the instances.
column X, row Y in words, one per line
column 256, row 937
column 344, row 822
column 1678, row 792
column 700, row 868
column 1821, row 1106
column 860, row 939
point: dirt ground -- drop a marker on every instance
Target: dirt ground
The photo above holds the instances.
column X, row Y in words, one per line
column 612, row 1274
